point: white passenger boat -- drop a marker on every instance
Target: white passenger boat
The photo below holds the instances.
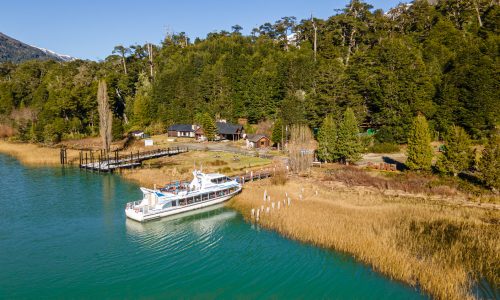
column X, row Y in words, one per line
column 204, row 190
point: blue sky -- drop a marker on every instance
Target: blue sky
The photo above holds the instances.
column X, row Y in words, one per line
column 90, row 29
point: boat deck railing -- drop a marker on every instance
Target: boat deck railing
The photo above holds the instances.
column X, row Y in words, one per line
column 175, row 187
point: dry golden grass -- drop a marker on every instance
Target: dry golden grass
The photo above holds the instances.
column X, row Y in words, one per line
column 179, row 167
column 439, row 247
column 36, row 155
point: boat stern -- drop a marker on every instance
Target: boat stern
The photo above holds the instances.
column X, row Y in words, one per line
column 134, row 213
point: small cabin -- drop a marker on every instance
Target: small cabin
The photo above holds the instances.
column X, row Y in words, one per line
column 199, row 134
column 228, row 131
column 138, row 134
column 182, row 130
column 258, row 141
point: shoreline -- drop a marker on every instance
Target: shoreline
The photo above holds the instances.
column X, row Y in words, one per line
column 388, row 230
column 400, row 237
column 32, row 154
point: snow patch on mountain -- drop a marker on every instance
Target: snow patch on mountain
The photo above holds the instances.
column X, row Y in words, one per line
column 62, row 57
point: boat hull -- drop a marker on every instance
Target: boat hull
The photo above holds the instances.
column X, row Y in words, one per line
column 140, row 217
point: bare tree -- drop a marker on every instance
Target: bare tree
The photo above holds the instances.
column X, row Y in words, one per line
column 150, row 59
column 105, row 115
column 301, row 148
column 315, row 35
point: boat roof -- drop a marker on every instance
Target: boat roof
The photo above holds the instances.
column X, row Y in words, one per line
column 214, row 175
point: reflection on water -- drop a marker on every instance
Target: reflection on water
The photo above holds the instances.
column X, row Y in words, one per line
column 108, row 196
column 201, row 222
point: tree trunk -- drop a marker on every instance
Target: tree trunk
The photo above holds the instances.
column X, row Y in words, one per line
column 105, row 115
column 150, row 60
column 478, row 14
column 124, row 64
column 352, row 43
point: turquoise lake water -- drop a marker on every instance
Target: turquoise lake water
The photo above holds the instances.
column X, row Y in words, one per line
column 63, row 234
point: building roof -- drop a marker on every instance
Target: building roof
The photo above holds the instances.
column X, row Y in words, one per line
column 137, row 132
column 181, row 127
column 256, row 137
column 228, row 128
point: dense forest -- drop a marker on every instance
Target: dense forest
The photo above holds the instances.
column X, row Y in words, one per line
column 438, row 60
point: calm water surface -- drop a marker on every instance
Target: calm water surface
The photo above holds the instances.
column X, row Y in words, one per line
column 63, row 234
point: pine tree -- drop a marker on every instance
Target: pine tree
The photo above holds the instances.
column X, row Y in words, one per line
column 489, row 165
column 198, row 118
column 142, row 107
column 349, row 146
column 277, row 135
column 458, row 155
column 209, row 127
column 327, row 140
column 419, row 145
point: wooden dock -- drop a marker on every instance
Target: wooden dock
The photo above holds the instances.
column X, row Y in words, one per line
column 253, row 176
column 102, row 161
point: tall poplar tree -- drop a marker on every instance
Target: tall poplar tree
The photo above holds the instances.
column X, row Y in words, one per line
column 105, row 115
column 419, row 145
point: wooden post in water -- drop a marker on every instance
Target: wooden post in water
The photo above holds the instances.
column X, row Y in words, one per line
column 62, row 156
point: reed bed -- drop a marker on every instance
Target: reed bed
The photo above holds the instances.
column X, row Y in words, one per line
column 32, row 154
column 439, row 248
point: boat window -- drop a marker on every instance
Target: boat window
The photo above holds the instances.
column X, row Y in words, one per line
column 205, row 196
column 182, row 202
column 220, row 180
column 174, row 203
column 189, row 200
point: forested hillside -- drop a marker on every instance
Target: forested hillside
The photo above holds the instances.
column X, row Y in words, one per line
column 439, row 60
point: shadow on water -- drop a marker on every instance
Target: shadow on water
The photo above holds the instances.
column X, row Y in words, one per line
column 486, row 290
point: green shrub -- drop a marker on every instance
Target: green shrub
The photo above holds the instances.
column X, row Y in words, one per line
column 384, row 148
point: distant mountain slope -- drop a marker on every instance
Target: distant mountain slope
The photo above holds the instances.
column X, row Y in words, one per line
column 15, row 51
